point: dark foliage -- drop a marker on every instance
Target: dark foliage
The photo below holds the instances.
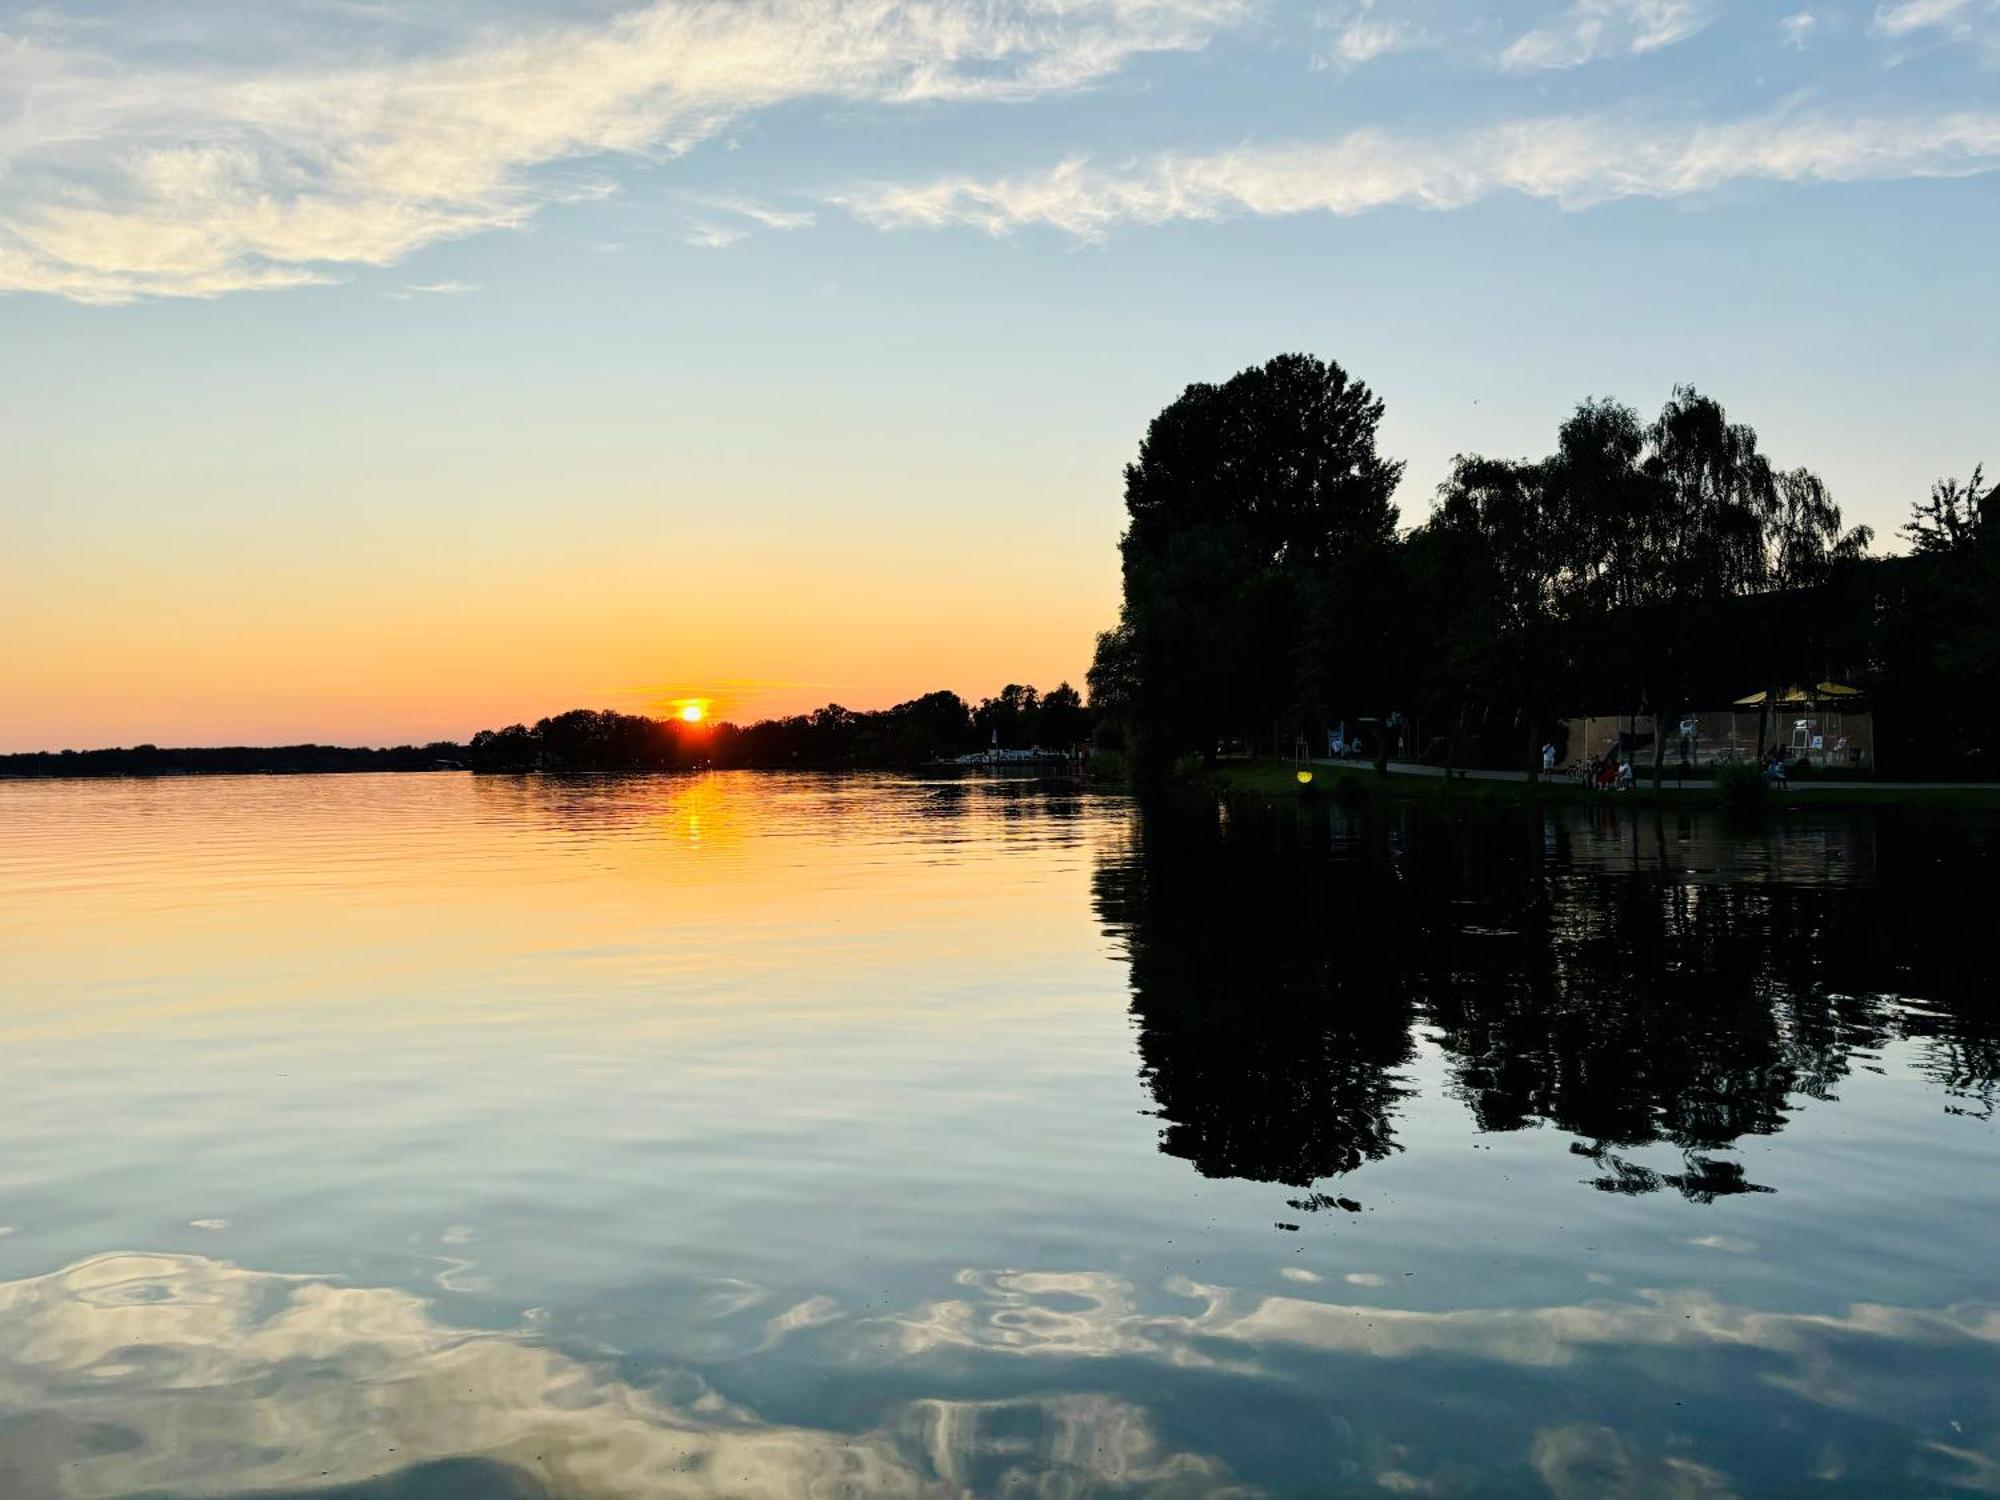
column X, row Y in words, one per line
column 1641, row 568
column 1934, row 645
column 1741, row 787
column 1255, row 506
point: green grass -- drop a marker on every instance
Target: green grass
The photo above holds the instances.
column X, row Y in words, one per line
column 1274, row 778
column 1278, row 779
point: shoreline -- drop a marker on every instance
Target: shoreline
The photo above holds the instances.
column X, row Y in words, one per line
column 198, row 773
column 1269, row 780
column 1277, row 780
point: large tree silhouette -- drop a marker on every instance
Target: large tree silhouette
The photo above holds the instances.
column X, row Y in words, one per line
column 1253, row 506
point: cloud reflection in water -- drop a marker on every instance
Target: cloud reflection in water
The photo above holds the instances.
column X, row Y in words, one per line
column 169, row 1375
column 177, row 1374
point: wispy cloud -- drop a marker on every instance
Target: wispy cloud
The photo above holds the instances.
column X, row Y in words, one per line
column 1918, row 15
column 1970, row 23
column 713, row 236
column 1572, row 161
column 441, row 288
column 708, row 234
column 120, row 180
column 1593, row 29
column 1363, row 32
column 1797, row 28
column 764, row 215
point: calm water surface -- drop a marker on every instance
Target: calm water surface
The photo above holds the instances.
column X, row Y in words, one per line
column 753, row 1135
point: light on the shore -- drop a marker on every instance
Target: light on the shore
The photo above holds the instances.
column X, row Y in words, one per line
column 1305, row 778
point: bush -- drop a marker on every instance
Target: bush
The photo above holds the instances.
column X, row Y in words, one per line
column 1740, row 786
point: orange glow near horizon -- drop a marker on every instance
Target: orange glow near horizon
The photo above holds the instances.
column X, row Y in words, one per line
column 163, row 656
column 693, row 713
column 199, row 640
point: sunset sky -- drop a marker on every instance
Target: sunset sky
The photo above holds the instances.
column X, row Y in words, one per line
column 382, row 371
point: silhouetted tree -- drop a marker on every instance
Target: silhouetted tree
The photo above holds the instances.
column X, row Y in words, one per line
column 1936, row 634
column 1516, row 550
column 924, row 729
column 515, row 748
column 1064, row 721
column 1113, row 680
column 1803, row 535
column 1250, row 504
column 1009, row 719
column 1954, row 519
column 1715, row 488
column 1620, row 569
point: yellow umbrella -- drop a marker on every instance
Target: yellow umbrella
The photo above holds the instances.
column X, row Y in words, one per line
column 1800, row 695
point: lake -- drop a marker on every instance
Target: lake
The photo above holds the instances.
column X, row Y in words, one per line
column 771, row 1135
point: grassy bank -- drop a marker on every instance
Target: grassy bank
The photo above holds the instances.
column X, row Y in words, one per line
column 1278, row 779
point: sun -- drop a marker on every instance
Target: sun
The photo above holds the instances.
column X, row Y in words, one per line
column 693, row 713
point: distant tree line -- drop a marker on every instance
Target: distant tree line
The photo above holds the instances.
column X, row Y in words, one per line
column 225, row 760
column 936, row 726
column 1640, row 567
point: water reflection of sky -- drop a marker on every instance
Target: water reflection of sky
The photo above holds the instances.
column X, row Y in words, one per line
column 166, row 1374
column 428, row 1137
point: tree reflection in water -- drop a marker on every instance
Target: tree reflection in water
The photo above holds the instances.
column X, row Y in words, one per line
column 1631, row 977
column 1274, row 1010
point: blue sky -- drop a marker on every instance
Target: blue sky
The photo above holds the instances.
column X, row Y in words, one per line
column 318, row 309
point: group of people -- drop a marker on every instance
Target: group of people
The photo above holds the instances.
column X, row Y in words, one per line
column 1611, row 773
column 1608, row 774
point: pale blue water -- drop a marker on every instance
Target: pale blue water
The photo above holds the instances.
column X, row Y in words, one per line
column 783, row 1135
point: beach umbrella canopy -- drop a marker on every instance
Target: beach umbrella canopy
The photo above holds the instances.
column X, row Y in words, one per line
column 1801, row 695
